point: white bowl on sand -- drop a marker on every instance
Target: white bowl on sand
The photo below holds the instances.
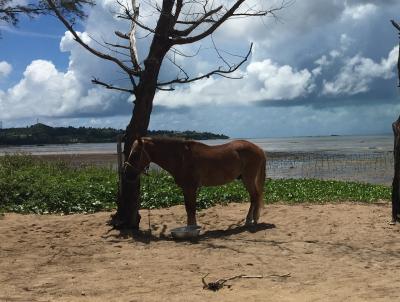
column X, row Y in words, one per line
column 186, row 232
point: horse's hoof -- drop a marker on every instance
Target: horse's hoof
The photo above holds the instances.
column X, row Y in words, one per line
column 249, row 223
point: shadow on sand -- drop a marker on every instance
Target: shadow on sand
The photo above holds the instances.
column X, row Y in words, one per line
column 146, row 236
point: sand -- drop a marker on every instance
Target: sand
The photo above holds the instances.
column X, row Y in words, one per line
column 335, row 252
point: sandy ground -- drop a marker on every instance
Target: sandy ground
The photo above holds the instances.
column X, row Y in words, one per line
column 341, row 252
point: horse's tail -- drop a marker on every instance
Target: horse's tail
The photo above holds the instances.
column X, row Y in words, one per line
column 261, row 182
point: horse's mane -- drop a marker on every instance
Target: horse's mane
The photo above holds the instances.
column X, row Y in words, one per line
column 168, row 140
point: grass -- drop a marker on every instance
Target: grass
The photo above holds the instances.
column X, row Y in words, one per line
column 30, row 185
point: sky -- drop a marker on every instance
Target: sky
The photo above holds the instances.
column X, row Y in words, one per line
column 319, row 67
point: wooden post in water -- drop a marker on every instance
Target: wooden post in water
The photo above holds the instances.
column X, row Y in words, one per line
column 396, row 154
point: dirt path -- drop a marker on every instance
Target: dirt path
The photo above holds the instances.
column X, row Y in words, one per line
column 341, row 252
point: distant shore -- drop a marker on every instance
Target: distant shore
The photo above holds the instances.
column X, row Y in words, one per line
column 41, row 135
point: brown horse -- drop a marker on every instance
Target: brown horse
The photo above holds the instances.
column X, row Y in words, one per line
column 193, row 164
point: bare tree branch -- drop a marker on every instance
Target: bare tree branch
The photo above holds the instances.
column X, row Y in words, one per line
column 165, row 89
column 178, row 52
column 395, row 24
column 109, row 86
column 133, row 17
column 117, row 45
column 218, row 53
column 189, row 30
column 132, row 38
column 211, row 29
column 178, row 8
column 181, row 70
column 188, row 22
column 121, row 35
column 230, row 13
column 86, row 46
column 106, row 46
column 219, row 72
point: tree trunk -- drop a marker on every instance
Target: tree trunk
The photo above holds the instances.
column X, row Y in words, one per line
column 129, row 198
column 396, row 153
column 127, row 215
column 396, row 178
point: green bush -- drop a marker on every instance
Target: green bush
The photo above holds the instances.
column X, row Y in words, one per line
column 31, row 185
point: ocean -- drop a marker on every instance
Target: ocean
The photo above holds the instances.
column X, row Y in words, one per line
column 321, row 144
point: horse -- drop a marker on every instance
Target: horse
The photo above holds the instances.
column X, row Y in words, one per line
column 193, row 164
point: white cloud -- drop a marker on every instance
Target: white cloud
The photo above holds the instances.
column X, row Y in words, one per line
column 279, row 82
column 5, row 69
column 359, row 12
column 68, row 43
column 345, row 43
column 359, row 72
column 262, row 81
column 45, row 91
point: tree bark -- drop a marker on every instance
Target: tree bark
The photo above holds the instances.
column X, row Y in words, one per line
column 396, row 178
column 127, row 215
column 396, row 154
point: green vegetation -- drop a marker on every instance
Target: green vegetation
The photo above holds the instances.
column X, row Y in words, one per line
column 42, row 134
column 30, row 185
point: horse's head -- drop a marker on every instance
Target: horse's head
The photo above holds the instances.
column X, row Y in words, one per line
column 138, row 160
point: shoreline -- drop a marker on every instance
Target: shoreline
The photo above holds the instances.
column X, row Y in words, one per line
column 274, row 155
column 372, row 167
column 375, row 168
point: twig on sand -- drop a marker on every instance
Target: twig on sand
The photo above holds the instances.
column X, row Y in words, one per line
column 281, row 276
column 220, row 283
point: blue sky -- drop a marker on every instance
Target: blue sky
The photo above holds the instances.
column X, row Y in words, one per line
column 323, row 67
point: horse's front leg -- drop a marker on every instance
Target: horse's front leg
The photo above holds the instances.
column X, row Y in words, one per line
column 190, row 194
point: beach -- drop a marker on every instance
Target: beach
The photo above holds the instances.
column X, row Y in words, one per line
column 332, row 252
column 306, row 252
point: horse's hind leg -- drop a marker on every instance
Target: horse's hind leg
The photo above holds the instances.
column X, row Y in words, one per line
column 249, row 216
column 190, row 204
column 257, row 209
column 254, row 211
